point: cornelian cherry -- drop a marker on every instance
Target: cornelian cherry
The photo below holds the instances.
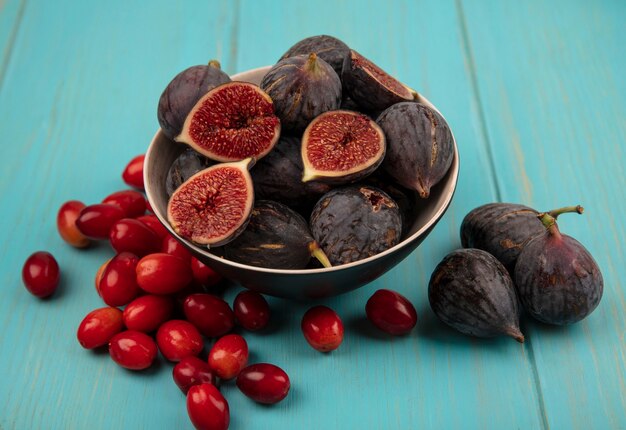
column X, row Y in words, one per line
column 41, row 274
column 251, row 310
column 228, row 356
column 210, row 314
column 203, row 274
column 130, row 235
column 118, row 286
column 99, row 326
column 192, row 371
column 162, row 273
column 95, row 221
column 322, row 328
column 132, row 350
column 132, row 202
column 66, row 224
column 391, row 312
column 171, row 245
column 178, row 339
column 133, row 172
column 153, row 222
column 207, row 408
column 264, row 383
column 147, row 313
column 99, row 274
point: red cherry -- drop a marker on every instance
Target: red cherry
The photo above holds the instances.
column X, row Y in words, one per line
column 132, row 202
column 203, row 274
column 171, row 245
column 99, row 326
column 264, row 383
column 153, row 222
column 178, row 339
column 228, row 356
column 130, row 235
column 209, row 313
column 192, row 371
column 66, row 224
column 95, row 221
column 322, row 328
column 251, row 310
column 41, row 274
column 391, row 312
column 132, row 350
column 133, row 173
column 161, row 273
column 207, row 408
column 147, row 313
column 118, row 286
column 99, row 274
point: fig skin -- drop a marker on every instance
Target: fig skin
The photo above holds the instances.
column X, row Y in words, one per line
column 501, row 229
column 328, row 48
column 182, row 93
column 472, row 292
column 557, row 279
column 419, row 146
column 278, row 176
column 355, row 222
column 370, row 87
column 276, row 237
column 302, row 88
column 187, row 164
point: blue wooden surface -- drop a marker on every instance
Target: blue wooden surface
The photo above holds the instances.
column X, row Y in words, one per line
column 536, row 96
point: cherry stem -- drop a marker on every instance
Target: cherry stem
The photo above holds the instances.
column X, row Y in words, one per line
column 549, row 218
column 215, row 63
column 318, row 253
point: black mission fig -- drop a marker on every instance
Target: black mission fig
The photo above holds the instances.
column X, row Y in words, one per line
column 187, row 164
column 328, row 48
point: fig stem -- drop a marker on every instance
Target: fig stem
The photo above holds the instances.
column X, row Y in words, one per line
column 215, row 63
column 549, row 218
column 311, row 63
column 318, row 253
column 516, row 334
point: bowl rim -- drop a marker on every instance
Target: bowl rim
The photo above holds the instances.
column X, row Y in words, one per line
column 453, row 171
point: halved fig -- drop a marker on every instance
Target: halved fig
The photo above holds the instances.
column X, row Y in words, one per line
column 232, row 122
column 341, row 146
column 213, row 206
column 370, row 86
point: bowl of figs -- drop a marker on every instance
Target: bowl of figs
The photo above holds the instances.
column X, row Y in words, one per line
column 304, row 179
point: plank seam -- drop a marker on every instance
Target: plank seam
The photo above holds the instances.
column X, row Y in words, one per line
column 467, row 50
column 234, row 37
column 11, row 43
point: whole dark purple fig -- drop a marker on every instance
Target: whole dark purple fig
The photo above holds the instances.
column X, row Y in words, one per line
column 419, row 146
column 302, row 87
column 277, row 238
column 501, row 229
column 356, row 222
column 328, row 48
column 187, row 164
column 182, row 93
column 370, row 86
column 278, row 176
column 557, row 279
column 471, row 291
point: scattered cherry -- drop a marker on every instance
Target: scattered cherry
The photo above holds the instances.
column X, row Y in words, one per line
column 228, row 356
column 210, row 314
column 41, row 274
column 171, row 245
column 133, row 350
column 264, row 383
column 99, row 274
column 132, row 202
column 207, row 408
column 251, row 310
column 133, row 236
column 153, row 222
column 133, row 173
column 322, row 328
column 118, row 286
column 99, row 326
column 95, row 221
column 147, row 313
column 66, row 224
column 178, row 339
column 162, row 273
column 391, row 312
column 203, row 274
column 192, row 371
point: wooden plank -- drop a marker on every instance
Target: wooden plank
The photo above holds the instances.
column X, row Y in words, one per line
column 551, row 82
column 11, row 12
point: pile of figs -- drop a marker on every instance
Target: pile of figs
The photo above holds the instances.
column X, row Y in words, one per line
column 319, row 165
column 514, row 259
